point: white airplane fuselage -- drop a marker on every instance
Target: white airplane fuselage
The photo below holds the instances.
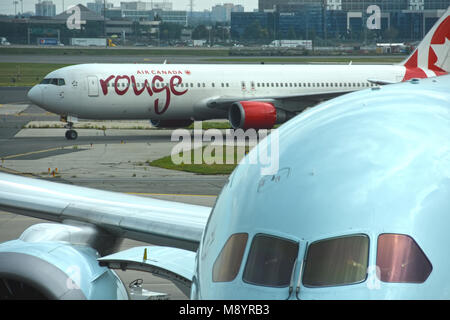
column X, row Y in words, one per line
column 145, row 91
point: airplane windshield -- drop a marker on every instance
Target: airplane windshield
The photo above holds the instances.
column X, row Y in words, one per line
column 337, row 261
column 400, row 259
column 270, row 261
column 228, row 263
column 54, row 81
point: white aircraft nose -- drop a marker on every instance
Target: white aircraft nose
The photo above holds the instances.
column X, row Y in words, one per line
column 35, row 95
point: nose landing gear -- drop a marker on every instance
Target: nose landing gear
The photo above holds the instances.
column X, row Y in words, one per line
column 70, row 133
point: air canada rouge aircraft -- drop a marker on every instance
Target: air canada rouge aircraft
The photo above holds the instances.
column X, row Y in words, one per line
column 250, row 96
column 359, row 209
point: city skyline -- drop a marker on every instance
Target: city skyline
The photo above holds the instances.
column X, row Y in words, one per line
column 7, row 6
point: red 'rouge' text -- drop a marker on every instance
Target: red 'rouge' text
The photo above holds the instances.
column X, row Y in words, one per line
column 151, row 88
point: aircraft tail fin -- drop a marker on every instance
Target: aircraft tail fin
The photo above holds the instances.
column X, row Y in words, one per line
column 433, row 52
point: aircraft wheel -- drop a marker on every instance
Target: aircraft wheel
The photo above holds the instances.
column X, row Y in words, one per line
column 71, row 134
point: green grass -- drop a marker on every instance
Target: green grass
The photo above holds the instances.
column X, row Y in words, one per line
column 380, row 59
column 203, row 167
column 212, row 125
column 25, row 74
column 116, row 51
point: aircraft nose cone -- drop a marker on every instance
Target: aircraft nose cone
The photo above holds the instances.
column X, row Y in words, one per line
column 35, row 95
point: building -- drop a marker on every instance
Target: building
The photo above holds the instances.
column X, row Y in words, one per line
column 144, row 6
column 45, row 9
column 99, row 6
column 222, row 13
column 174, row 16
column 241, row 22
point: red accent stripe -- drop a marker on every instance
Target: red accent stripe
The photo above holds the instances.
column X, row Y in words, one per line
column 412, row 61
column 414, row 73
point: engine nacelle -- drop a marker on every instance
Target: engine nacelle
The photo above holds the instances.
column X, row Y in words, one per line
column 256, row 115
column 36, row 268
column 171, row 123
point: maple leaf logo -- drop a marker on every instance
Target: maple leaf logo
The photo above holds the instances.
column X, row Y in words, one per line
column 442, row 53
column 187, row 72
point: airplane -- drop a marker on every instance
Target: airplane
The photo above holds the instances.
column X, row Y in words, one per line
column 249, row 96
column 358, row 209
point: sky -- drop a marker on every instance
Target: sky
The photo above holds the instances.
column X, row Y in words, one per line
column 7, row 6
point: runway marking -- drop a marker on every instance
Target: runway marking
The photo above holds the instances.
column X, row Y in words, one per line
column 30, row 153
column 169, row 194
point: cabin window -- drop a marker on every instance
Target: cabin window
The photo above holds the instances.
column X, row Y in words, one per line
column 270, row 261
column 192, row 84
column 337, row 261
column 400, row 259
column 213, row 84
column 227, row 265
column 227, row 84
column 223, row 85
column 281, row 85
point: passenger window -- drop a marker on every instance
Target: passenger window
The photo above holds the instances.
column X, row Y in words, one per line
column 400, row 259
column 337, row 261
column 229, row 260
column 270, row 261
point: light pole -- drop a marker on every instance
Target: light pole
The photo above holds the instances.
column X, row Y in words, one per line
column 15, row 7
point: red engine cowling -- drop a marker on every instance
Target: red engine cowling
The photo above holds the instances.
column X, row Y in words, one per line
column 252, row 114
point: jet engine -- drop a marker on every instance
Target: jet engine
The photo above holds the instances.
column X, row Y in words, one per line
column 256, row 115
column 171, row 123
column 55, row 261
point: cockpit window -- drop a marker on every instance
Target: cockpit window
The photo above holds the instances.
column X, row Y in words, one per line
column 337, row 261
column 400, row 259
column 270, row 261
column 54, row 81
column 229, row 260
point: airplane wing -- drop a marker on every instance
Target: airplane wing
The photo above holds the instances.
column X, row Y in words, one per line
column 380, row 82
column 289, row 102
column 124, row 216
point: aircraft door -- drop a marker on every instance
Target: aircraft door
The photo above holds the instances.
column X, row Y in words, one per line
column 244, row 89
column 92, row 86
